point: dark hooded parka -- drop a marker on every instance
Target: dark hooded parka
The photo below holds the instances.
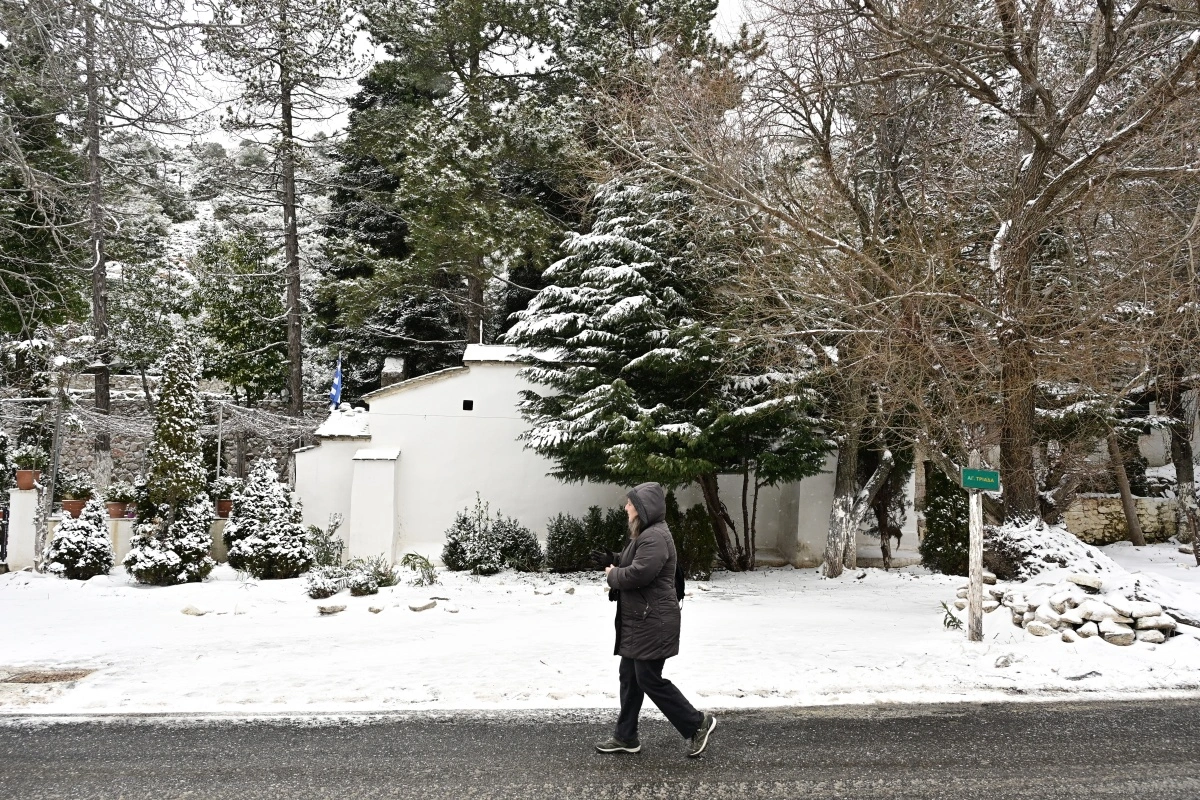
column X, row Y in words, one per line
column 647, row 611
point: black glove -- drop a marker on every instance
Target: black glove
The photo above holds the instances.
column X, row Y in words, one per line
column 604, row 558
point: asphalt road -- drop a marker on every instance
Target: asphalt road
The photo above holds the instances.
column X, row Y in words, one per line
column 1138, row 750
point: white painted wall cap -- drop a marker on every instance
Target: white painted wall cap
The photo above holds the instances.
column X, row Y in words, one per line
column 505, row 354
column 384, row 454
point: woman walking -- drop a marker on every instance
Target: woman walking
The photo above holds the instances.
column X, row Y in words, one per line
column 642, row 580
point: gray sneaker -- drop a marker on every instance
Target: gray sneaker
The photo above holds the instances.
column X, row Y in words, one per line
column 615, row 745
column 699, row 739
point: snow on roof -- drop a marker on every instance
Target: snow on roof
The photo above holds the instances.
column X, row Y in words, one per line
column 496, row 353
column 346, row 422
column 386, row 454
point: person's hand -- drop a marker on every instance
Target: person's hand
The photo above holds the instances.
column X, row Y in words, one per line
column 607, row 570
column 603, row 559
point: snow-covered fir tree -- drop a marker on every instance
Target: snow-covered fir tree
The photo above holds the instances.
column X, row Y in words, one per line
column 81, row 547
column 644, row 385
column 170, row 542
column 263, row 535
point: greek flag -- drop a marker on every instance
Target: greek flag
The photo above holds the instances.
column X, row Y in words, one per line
column 335, row 391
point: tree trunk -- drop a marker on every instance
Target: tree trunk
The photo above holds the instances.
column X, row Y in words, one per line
column 731, row 556
column 1017, row 439
column 146, row 391
column 102, row 445
column 475, row 308
column 291, row 239
column 747, row 528
column 1117, row 459
column 842, row 521
column 1170, row 399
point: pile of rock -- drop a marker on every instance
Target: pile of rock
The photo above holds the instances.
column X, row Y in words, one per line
column 1075, row 609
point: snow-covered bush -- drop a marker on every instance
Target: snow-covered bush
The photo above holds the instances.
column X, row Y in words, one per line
column 485, row 546
column 81, row 547
column 74, row 485
column 263, row 535
column 324, row 581
column 171, row 539
column 361, row 584
column 120, row 492
column 164, row 551
column 378, row 568
column 225, row 487
column 30, row 456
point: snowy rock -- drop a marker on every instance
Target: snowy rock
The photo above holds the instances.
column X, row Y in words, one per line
column 1151, row 637
column 960, row 604
column 570, row 590
column 1048, row 615
column 543, row 591
column 1069, row 636
column 1142, row 608
column 1061, row 602
column 375, row 609
column 1098, row 611
column 989, row 578
column 1093, row 582
column 1020, row 608
column 1038, row 628
column 1028, row 617
column 450, row 609
column 1122, row 605
column 1116, row 633
column 1186, row 549
column 1004, row 661
column 1161, row 622
column 989, row 606
column 192, row 611
column 1088, row 629
column 1018, row 619
column 328, row 611
column 1072, row 616
column 422, row 606
column 997, row 594
column 962, row 593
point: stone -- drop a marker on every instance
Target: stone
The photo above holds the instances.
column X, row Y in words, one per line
column 1028, row 617
column 989, row 578
column 375, row 609
column 543, row 591
column 1004, row 661
column 1116, row 633
column 328, row 611
column 997, row 594
column 989, row 606
column 1097, row 611
column 960, row 604
column 1072, row 616
column 1021, row 607
column 1039, row 628
column 1186, row 549
column 1092, row 582
column 450, row 609
column 1162, row 622
column 192, row 611
column 1059, row 602
column 1069, row 636
column 1151, row 637
column 1018, row 619
column 570, row 590
column 1048, row 615
column 422, row 606
column 1121, row 604
column 1088, row 629
column 962, row 594
column 1142, row 608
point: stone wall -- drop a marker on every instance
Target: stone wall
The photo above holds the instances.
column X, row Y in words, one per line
column 1099, row 518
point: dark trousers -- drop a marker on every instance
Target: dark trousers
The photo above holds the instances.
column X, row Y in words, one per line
column 641, row 678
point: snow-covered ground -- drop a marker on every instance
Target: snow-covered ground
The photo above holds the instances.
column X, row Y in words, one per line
column 778, row 637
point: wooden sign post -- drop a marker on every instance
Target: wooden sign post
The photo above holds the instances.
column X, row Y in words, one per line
column 975, row 480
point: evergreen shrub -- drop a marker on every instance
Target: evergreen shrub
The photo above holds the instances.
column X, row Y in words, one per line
column 324, row 581
column 327, row 548
column 426, row 572
column 570, row 540
column 264, row 536
column 165, row 551
column 362, row 584
column 81, row 547
column 485, row 545
column 377, row 568
column 946, row 544
column 695, row 542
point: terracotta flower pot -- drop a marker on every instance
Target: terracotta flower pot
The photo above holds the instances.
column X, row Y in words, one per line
column 115, row 509
column 27, row 477
column 73, row 507
column 223, row 508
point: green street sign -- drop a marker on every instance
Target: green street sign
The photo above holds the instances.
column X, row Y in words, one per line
column 986, row 479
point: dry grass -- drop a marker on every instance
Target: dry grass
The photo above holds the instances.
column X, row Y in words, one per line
column 47, row 676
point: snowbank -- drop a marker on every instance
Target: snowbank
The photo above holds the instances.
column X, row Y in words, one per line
column 778, row 637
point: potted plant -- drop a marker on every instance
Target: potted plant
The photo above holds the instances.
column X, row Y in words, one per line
column 30, row 460
column 117, row 498
column 75, row 489
column 223, row 489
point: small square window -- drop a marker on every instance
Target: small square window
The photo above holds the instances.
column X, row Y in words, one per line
column 468, row 405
